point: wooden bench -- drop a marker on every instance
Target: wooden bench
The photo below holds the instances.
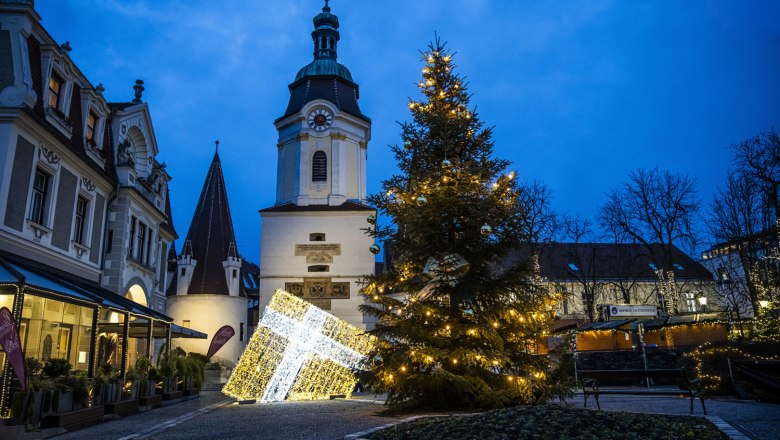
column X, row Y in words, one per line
column 689, row 387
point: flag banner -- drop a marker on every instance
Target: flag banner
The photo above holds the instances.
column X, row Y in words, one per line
column 220, row 338
column 299, row 352
column 9, row 339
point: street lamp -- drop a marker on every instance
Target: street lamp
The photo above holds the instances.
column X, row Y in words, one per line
column 703, row 302
column 763, row 303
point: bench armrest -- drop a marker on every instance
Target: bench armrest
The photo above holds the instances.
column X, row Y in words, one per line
column 592, row 383
column 695, row 385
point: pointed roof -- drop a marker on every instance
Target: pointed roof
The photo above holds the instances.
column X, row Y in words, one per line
column 210, row 239
column 168, row 223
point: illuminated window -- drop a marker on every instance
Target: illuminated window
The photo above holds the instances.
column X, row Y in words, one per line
column 319, row 167
column 40, row 193
column 81, row 215
column 91, row 121
column 55, row 90
column 185, row 323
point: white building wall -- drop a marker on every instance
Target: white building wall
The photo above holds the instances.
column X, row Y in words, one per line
column 281, row 232
column 207, row 314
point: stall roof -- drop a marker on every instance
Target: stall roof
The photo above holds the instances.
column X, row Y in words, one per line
column 15, row 269
column 605, row 325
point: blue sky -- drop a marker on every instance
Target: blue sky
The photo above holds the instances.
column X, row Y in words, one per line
column 579, row 92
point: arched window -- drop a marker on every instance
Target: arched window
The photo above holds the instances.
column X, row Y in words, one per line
column 319, row 167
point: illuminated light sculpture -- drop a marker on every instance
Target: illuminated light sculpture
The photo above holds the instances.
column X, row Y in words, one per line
column 299, row 352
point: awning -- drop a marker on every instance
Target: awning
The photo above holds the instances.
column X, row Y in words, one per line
column 184, row 332
column 606, row 325
column 141, row 330
column 17, row 270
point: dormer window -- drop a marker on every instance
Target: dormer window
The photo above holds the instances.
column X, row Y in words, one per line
column 55, row 90
column 91, row 124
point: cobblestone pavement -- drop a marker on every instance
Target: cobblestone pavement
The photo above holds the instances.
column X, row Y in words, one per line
column 331, row 419
column 760, row 421
column 213, row 416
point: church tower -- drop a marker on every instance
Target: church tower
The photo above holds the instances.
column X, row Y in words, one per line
column 206, row 291
column 312, row 244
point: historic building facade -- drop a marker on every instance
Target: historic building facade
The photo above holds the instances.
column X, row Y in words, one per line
column 84, row 217
column 312, row 244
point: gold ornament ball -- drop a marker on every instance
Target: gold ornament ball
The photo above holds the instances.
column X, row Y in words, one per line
column 421, row 200
column 486, row 229
column 371, row 219
column 374, row 249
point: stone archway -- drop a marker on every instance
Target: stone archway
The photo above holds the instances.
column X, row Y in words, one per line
column 137, row 345
column 136, row 292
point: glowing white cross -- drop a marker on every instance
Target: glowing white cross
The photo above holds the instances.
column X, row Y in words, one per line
column 305, row 339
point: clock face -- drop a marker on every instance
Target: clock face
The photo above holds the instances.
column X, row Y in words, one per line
column 320, row 119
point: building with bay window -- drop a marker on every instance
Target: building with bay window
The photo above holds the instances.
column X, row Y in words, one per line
column 85, row 220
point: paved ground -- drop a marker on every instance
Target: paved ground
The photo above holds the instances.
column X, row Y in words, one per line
column 760, row 421
column 213, row 417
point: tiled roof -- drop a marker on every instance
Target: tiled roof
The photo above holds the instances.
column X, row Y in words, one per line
column 211, row 236
column 571, row 261
column 292, row 207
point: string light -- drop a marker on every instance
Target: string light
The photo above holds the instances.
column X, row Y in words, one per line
column 298, row 352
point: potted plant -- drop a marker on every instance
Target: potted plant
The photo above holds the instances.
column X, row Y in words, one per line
column 144, row 378
column 193, row 372
column 27, row 405
column 169, row 363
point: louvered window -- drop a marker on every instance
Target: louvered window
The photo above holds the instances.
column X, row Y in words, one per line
column 319, row 167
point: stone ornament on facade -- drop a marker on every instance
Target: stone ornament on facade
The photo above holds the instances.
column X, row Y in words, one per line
column 49, row 155
column 125, row 155
column 319, row 291
column 318, row 253
column 87, row 184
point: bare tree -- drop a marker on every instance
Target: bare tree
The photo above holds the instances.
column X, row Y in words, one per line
column 758, row 161
column 540, row 222
column 741, row 219
column 654, row 207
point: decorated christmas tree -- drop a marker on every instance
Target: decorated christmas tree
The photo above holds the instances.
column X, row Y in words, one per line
column 461, row 312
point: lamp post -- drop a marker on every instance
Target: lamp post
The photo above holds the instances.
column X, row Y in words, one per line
column 763, row 303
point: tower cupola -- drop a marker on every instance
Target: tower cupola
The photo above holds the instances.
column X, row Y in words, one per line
column 325, row 34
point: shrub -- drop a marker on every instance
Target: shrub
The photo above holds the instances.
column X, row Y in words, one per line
column 56, row 367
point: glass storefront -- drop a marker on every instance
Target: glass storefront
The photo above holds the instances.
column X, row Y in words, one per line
column 52, row 328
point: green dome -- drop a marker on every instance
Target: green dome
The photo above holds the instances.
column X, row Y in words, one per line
column 324, row 66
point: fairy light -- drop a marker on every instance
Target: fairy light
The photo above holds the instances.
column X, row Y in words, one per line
column 298, row 352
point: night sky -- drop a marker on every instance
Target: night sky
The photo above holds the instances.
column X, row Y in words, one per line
column 579, row 92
